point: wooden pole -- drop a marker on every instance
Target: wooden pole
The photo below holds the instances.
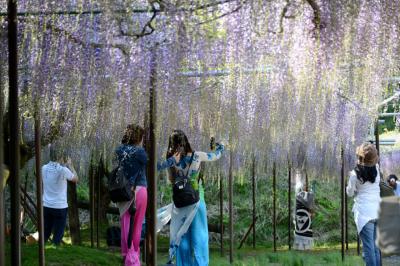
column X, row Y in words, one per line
column 377, row 136
column 39, row 188
column 231, row 207
column 377, row 144
column 2, row 209
column 152, row 199
column 254, row 200
column 306, row 188
column 221, row 212
column 289, row 205
column 73, row 213
column 342, row 201
column 346, row 220
column 274, row 203
column 14, row 130
column 98, row 199
column 91, row 197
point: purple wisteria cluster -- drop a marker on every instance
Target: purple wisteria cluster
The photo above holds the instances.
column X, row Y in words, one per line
column 280, row 80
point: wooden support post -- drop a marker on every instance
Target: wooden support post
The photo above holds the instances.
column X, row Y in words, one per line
column 39, row 188
column 274, row 203
column 221, row 212
column 29, row 205
column 247, row 233
column 231, row 207
column 289, row 205
column 2, row 209
column 27, row 209
column 342, row 200
column 254, row 200
column 151, row 244
column 15, row 132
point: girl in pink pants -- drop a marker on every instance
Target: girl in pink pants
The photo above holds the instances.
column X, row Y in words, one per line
column 133, row 159
column 132, row 256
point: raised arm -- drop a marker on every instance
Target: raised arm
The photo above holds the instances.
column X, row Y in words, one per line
column 166, row 164
column 351, row 185
column 171, row 161
column 211, row 156
column 70, row 173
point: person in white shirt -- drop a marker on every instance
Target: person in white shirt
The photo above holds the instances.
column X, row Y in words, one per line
column 55, row 206
column 394, row 183
column 364, row 186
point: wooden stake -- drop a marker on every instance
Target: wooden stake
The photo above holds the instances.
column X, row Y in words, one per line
column 274, row 203
column 39, row 188
column 221, row 213
column 254, row 200
column 231, row 207
column 289, row 205
column 342, row 201
column 151, row 248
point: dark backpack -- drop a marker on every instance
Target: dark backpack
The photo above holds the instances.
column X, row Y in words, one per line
column 183, row 193
column 385, row 189
column 114, row 236
column 119, row 187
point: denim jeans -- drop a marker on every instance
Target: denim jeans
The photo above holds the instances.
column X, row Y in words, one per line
column 54, row 222
column 372, row 256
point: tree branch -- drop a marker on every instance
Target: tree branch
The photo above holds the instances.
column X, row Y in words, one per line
column 148, row 24
column 76, row 40
column 283, row 16
column 208, row 5
column 317, row 13
column 223, row 15
column 148, row 27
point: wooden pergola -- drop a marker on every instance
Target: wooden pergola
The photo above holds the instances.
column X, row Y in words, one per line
column 151, row 244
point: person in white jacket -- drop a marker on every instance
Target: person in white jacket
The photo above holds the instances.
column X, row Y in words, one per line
column 394, row 182
column 55, row 175
column 364, row 186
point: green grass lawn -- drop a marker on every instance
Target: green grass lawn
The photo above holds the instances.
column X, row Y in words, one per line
column 68, row 255
column 85, row 256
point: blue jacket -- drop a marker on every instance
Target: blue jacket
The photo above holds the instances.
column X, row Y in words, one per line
column 133, row 159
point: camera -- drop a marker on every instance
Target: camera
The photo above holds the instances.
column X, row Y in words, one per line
column 212, row 143
column 177, row 149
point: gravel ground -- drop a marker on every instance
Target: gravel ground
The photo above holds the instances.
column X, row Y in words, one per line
column 391, row 261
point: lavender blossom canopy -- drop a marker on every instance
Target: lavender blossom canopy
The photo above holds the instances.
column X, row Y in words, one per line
column 282, row 79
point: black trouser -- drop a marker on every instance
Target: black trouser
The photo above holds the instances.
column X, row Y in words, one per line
column 54, row 221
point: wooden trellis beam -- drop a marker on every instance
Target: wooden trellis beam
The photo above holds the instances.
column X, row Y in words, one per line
column 388, row 114
column 222, row 72
column 156, row 7
column 78, row 12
